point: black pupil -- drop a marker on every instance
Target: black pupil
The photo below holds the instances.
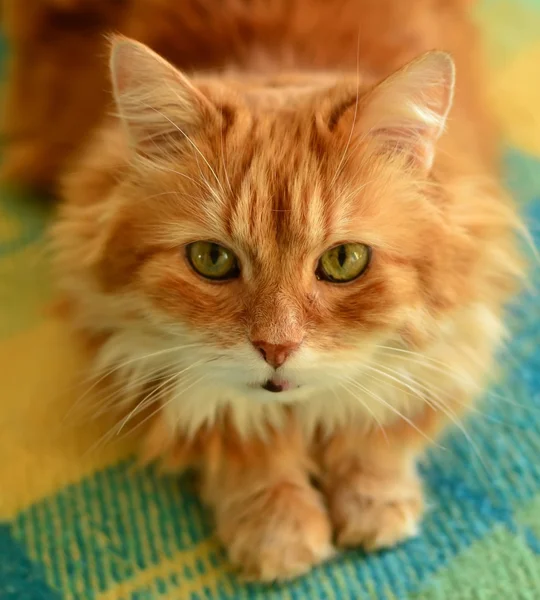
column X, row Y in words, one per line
column 214, row 253
column 342, row 255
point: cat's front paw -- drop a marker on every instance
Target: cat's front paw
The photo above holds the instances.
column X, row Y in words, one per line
column 375, row 513
column 280, row 533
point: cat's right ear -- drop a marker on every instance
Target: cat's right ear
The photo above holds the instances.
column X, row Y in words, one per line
column 156, row 103
column 405, row 114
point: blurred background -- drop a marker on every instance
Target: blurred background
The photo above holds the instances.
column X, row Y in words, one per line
column 77, row 520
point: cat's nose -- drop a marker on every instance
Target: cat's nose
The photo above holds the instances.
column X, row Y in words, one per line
column 276, row 354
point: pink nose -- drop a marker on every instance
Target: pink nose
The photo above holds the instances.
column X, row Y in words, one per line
column 276, row 354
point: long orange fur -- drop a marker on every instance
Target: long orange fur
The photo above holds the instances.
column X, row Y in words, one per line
column 289, row 145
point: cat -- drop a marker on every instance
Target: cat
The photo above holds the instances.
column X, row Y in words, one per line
column 299, row 261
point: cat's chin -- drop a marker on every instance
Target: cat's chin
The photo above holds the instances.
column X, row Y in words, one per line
column 277, row 390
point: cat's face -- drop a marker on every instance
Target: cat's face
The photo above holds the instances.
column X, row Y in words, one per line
column 278, row 241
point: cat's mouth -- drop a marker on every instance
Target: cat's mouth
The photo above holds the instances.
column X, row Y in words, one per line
column 276, row 385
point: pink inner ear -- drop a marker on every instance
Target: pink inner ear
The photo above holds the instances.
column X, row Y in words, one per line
column 156, row 103
column 121, row 75
column 406, row 113
column 123, row 64
column 414, row 141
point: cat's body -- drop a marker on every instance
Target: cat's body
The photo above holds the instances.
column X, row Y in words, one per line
column 57, row 87
column 280, row 372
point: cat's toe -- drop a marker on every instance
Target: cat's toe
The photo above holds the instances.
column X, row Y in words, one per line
column 374, row 521
column 282, row 560
column 278, row 537
column 379, row 526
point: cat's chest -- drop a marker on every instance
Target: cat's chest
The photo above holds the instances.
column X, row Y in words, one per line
column 329, row 409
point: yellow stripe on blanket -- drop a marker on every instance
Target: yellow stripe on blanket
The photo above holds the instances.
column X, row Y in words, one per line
column 46, row 442
column 195, row 559
column 508, row 26
column 515, row 98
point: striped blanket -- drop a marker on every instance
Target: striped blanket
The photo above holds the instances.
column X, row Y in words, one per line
column 79, row 520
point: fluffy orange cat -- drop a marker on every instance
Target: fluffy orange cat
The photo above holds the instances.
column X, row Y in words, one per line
column 301, row 256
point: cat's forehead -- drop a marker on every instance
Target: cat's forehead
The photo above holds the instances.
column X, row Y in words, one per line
column 268, row 185
column 282, row 194
column 282, row 210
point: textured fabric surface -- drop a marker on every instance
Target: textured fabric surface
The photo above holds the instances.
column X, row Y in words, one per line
column 78, row 520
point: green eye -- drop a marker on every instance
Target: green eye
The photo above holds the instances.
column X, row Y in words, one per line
column 343, row 263
column 212, row 260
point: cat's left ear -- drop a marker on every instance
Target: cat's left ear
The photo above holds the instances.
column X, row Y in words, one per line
column 155, row 101
column 407, row 112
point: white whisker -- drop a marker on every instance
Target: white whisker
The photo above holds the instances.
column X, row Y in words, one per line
column 340, row 164
column 366, row 406
column 394, row 410
column 113, row 431
column 117, row 367
column 141, row 405
column 436, row 403
column 190, row 141
column 223, row 163
column 161, row 407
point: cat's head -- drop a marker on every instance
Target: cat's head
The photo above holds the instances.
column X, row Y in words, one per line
column 277, row 235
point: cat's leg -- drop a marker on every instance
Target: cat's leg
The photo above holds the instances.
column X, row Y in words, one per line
column 272, row 522
column 373, row 490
